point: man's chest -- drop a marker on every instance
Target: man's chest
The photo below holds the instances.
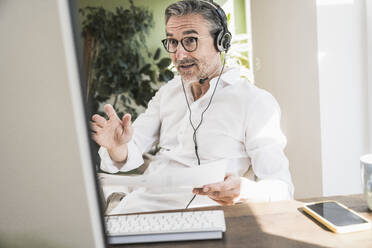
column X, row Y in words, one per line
column 217, row 128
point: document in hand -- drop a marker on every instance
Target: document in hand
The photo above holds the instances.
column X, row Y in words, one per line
column 192, row 177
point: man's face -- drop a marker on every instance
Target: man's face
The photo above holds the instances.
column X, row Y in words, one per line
column 200, row 63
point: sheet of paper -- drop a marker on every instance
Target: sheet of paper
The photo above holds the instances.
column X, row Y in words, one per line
column 193, row 177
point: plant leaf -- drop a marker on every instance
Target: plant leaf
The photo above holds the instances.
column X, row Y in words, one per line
column 157, row 54
column 164, row 63
column 123, row 65
column 145, row 68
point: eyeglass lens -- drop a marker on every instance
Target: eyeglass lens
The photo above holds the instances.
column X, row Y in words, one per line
column 188, row 43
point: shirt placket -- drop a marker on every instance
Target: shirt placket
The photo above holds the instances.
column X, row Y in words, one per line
column 185, row 135
column 186, row 131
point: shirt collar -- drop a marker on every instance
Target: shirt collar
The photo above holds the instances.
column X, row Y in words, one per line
column 230, row 76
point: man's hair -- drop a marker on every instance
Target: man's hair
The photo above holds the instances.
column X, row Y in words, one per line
column 186, row 7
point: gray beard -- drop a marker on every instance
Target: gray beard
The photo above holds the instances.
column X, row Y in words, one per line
column 190, row 77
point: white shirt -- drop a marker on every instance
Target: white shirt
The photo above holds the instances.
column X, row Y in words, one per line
column 242, row 125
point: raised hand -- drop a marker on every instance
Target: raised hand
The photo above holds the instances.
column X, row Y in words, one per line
column 113, row 134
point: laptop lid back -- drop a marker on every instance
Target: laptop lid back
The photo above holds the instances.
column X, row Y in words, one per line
column 47, row 187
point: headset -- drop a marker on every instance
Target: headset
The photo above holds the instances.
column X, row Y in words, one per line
column 222, row 40
column 222, row 43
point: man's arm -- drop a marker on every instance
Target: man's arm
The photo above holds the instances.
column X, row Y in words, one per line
column 146, row 131
column 113, row 134
column 264, row 142
column 119, row 154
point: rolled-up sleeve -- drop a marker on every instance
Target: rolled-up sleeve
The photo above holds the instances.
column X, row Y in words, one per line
column 264, row 143
column 146, row 129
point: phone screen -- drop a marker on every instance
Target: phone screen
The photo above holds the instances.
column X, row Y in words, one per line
column 336, row 214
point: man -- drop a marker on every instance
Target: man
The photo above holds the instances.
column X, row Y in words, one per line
column 206, row 114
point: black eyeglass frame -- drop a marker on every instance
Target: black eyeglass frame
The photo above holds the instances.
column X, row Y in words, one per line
column 164, row 41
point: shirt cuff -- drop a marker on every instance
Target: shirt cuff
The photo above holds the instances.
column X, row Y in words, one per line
column 134, row 160
column 263, row 191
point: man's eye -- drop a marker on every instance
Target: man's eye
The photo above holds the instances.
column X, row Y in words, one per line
column 172, row 42
column 190, row 40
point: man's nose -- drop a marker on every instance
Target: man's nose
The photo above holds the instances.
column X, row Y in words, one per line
column 181, row 52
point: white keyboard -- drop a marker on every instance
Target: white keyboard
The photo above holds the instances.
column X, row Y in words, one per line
column 160, row 227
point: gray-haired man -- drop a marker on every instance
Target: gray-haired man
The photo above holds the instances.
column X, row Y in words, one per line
column 207, row 113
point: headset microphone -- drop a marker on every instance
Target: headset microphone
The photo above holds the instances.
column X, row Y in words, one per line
column 202, row 80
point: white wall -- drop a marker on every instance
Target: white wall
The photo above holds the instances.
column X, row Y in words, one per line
column 312, row 56
column 343, row 93
column 248, row 12
column 369, row 67
column 285, row 63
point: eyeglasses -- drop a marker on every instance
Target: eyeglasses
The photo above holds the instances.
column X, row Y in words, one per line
column 189, row 44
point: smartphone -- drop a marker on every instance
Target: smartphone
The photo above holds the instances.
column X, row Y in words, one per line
column 337, row 217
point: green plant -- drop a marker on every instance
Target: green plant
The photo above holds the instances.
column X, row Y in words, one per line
column 238, row 55
column 121, row 68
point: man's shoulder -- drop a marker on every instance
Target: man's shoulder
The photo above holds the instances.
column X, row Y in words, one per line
column 246, row 93
column 247, row 89
column 237, row 84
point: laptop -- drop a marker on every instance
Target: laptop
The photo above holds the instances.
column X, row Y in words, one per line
column 47, row 182
column 48, row 185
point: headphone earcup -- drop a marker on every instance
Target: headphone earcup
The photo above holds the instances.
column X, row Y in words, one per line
column 226, row 41
column 218, row 41
column 223, row 41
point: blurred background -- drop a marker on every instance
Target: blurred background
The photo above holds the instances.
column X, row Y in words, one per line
column 313, row 56
column 124, row 59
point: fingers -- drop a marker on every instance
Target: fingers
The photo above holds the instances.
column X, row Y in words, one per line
column 222, row 186
column 95, row 137
column 126, row 120
column 224, row 192
column 110, row 111
column 99, row 120
column 218, row 194
column 226, row 199
column 95, row 127
column 229, row 183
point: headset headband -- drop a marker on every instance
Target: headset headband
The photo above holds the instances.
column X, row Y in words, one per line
column 223, row 38
column 220, row 13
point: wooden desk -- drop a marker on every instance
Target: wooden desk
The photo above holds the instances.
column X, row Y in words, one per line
column 279, row 224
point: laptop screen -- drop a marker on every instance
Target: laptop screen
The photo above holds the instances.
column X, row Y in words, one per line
column 124, row 61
